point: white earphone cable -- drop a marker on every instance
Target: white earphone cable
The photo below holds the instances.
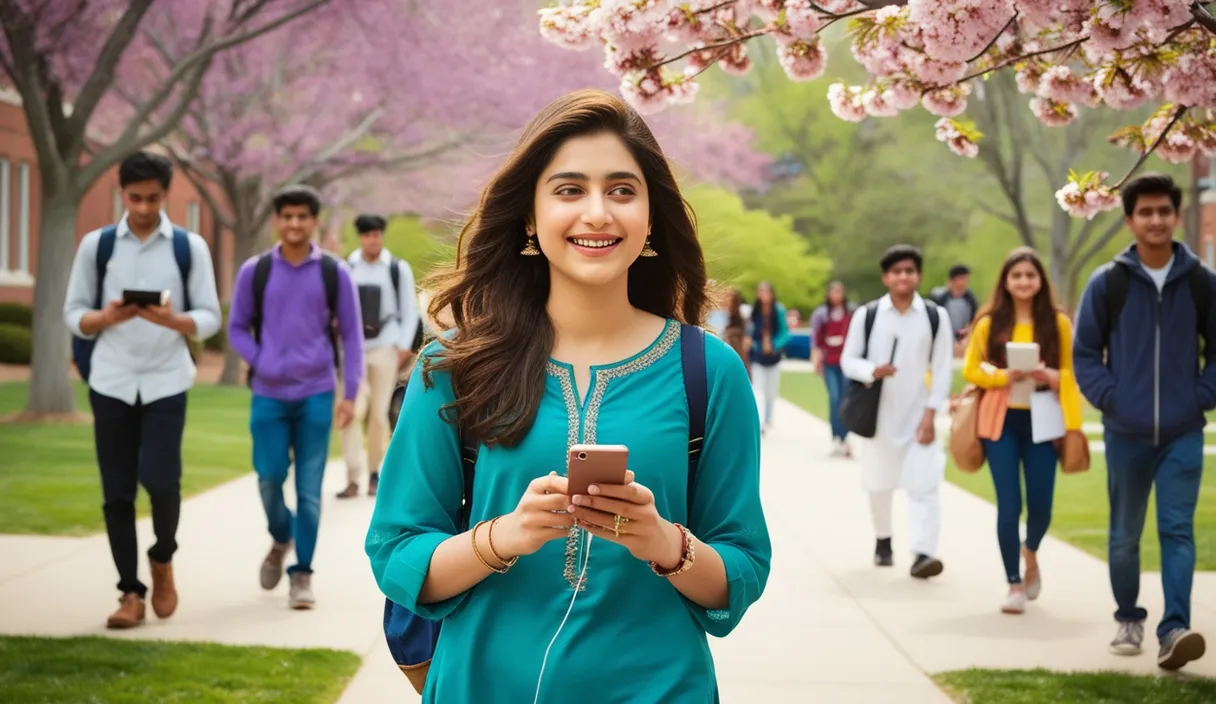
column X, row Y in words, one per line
column 578, row 585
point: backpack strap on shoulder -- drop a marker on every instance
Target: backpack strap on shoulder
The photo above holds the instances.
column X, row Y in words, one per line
column 329, row 277
column 696, row 388
column 470, row 447
column 181, row 252
column 1200, row 280
column 871, row 314
column 934, row 322
column 1117, row 279
column 261, row 275
column 105, row 250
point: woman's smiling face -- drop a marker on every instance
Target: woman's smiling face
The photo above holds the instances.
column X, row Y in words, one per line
column 591, row 210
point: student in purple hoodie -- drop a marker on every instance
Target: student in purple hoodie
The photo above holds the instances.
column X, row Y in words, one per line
column 290, row 307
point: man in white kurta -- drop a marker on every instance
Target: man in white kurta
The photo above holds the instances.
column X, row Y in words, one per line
column 904, row 452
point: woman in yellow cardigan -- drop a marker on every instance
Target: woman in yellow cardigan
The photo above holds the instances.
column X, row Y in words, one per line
column 1022, row 309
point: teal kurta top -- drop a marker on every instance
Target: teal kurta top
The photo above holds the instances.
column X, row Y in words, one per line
column 630, row 636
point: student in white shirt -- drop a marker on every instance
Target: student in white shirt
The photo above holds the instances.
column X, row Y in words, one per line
column 389, row 304
column 916, row 386
column 139, row 369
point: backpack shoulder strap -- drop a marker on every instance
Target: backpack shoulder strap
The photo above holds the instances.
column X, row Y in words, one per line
column 394, row 273
column 105, row 250
column 1117, row 280
column 871, row 314
column 329, row 275
column 1200, row 279
column 696, row 388
column 261, row 274
column 470, row 447
column 181, row 252
column 934, row 322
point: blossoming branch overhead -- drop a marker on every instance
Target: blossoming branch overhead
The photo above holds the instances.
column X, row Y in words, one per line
column 1068, row 55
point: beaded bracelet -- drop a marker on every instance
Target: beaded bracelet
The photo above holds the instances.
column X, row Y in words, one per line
column 687, row 557
column 490, row 537
column 477, row 552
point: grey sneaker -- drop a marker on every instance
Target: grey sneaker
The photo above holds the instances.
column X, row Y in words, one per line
column 272, row 566
column 1179, row 647
column 1128, row 638
column 300, row 596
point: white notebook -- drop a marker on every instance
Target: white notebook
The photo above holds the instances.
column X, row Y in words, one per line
column 1046, row 416
column 1022, row 356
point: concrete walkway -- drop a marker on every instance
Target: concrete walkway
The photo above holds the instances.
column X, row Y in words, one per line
column 830, row 627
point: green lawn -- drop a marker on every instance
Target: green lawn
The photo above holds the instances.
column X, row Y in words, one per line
column 1080, row 511
column 87, row 670
column 1037, row 686
column 49, row 482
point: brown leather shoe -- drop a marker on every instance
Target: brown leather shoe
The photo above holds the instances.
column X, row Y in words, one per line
column 350, row 492
column 164, row 591
column 130, row 612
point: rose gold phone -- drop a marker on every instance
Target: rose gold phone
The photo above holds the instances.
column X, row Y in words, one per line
column 596, row 464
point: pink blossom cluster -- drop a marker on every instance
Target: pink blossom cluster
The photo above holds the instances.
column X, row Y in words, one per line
column 803, row 60
column 1187, row 138
column 947, row 102
column 1053, row 113
column 1086, row 197
column 846, row 102
column 959, row 30
column 956, row 137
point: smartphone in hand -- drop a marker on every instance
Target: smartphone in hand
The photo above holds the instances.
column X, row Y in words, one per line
column 595, row 464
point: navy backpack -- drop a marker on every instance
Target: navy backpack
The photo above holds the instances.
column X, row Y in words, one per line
column 82, row 348
column 411, row 638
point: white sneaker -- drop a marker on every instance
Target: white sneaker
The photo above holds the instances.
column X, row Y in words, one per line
column 1015, row 602
column 1128, row 638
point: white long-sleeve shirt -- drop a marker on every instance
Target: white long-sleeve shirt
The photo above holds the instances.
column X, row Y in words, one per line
column 399, row 313
column 907, row 393
column 140, row 359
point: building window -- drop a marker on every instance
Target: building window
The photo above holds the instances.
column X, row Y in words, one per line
column 6, row 216
column 194, row 221
column 118, row 209
column 23, row 218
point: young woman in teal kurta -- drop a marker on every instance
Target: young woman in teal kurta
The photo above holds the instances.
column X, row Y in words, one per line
column 636, row 631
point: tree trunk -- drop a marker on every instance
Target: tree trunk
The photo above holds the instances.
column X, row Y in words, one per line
column 244, row 242
column 50, row 389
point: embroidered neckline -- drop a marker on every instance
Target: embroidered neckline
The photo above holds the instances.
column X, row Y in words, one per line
column 601, row 374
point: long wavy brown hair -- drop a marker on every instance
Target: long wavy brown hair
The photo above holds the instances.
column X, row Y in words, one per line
column 497, row 298
column 1001, row 312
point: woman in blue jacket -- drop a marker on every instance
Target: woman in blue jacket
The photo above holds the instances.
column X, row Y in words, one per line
column 770, row 334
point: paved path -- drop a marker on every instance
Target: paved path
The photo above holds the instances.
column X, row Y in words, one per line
column 830, row 628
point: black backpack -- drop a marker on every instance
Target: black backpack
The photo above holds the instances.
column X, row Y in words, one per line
column 329, row 276
column 1118, row 277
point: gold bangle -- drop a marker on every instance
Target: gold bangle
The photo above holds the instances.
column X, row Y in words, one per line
column 490, row 539
column 688, row 556
column 477, row 551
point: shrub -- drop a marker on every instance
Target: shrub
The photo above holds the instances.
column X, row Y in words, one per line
column 16, row 344
column 18, row 314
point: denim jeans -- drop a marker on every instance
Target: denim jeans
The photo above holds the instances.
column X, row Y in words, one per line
column 1009, row 457
column 833, row 378
column 283, row 432
column 1176, row 468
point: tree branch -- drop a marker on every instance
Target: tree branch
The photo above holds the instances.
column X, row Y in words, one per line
column 995, row 37
column 1079, row 263
column 1156, row 143
column 709, row 47
column 102, row 76
column 1203, row 17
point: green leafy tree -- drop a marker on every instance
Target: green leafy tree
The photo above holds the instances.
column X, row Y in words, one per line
column 746, row 246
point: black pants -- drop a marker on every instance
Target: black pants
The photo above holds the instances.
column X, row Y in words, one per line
column 140, row 444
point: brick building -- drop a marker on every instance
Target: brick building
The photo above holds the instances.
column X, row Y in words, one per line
column 20, row 186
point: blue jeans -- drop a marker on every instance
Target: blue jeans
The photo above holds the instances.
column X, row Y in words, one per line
column 1132, row 468
column 833, row 378
column 1009, row 457
column 284, row 431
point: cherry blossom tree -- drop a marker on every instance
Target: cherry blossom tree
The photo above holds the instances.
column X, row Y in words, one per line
column 1068, row 56
column 69, row 60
